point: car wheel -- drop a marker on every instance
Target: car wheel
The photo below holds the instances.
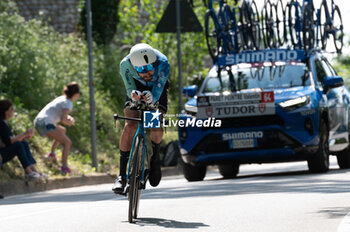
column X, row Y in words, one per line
column 229, row 170
column 194, row 172
column 319, row 162
column 343, row 157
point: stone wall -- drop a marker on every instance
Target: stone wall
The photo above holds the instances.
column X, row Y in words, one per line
column 63, row 15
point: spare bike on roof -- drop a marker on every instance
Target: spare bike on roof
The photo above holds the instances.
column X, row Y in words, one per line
column 295, row 25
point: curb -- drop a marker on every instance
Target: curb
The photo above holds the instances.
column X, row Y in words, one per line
column 16, row 187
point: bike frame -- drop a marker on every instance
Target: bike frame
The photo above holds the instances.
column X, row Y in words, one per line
column 140, row 132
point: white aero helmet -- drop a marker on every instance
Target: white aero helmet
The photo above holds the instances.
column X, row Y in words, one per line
column 142, row 54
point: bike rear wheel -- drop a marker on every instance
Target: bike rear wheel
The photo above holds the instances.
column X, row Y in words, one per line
column 135, row 179
column 212, row 35
column 337, row 29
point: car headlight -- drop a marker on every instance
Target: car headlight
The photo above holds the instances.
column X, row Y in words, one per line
column 295, row 103
column 191, row 109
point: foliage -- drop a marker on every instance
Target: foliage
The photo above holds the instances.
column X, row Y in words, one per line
column 104, row 20
column 342, row 66
column 35, row 63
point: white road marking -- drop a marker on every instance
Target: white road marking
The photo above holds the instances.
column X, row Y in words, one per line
column 344, row 225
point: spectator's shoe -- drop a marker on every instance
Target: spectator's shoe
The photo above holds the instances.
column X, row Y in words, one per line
column 155, row 174
column 45, row 176
column 32, row 176
column 65, row 170
column 52, row 156
column 119, row 185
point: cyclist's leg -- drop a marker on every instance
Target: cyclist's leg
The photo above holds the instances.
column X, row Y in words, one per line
column 156, row 135
column 129, row 130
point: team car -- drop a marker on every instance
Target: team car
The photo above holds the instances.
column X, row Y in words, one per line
column 262, row 107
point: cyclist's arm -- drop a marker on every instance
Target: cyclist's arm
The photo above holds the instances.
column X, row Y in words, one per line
column 128, row 72
column 163, row 74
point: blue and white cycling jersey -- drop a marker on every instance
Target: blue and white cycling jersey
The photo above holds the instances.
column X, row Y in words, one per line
column 160, row 77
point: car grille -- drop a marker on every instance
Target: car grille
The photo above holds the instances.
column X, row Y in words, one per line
column 273, row 139
column 251, row 121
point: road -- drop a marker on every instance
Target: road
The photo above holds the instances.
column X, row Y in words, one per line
column 269, row 197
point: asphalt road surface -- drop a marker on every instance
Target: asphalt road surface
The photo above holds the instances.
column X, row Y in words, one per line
column 270, row 197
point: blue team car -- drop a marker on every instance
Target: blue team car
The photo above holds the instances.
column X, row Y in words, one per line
column 266, row 106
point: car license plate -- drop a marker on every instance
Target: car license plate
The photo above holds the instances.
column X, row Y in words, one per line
column 242, row 143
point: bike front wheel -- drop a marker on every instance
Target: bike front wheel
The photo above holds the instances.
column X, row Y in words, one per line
column 135, row 179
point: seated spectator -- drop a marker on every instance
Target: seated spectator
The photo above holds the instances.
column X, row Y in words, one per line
column 57, row 111
column 11, row 146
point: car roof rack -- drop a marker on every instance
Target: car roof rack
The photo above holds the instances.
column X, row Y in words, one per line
column 265, row 55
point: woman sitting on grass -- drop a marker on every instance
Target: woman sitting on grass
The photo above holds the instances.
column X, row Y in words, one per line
column 11, row 146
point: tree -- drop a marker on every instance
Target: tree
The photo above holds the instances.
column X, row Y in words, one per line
column 104, row 20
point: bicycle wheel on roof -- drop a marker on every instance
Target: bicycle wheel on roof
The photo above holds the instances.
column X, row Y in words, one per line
column 294, row 23
column 268, row 25
column 212, row 35
column 280, row 22
column 246, row 26
column 337, row 29
column 308, row 28
column 255, row 21
column 324, row 27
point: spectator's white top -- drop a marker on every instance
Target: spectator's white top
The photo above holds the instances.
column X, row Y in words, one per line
column 53, row 112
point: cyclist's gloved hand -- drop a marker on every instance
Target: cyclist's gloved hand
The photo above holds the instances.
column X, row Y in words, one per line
column 135, row 95
column 147, row 96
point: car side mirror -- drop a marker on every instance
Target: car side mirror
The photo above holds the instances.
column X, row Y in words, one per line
column 190, row 90
column 330, row 82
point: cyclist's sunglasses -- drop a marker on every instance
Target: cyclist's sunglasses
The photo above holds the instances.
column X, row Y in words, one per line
column 145, row 68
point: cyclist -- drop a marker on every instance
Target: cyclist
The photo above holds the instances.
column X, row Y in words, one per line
column 145, row 74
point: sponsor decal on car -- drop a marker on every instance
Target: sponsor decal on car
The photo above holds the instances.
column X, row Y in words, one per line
column 262, row 56
column 236, row 105
column 239, row 140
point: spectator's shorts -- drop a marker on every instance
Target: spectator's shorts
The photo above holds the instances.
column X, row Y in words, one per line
column 42, row 127
column 163, row 100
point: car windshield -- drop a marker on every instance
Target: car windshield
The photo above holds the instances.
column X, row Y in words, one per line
column 261, row 76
